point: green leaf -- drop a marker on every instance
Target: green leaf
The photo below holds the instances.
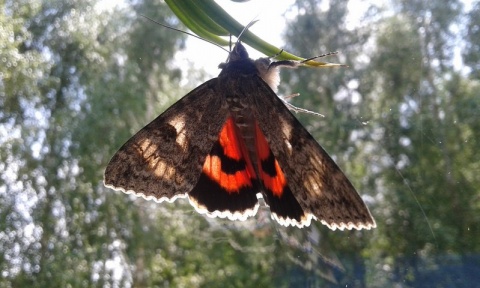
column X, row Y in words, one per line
column 208, row 20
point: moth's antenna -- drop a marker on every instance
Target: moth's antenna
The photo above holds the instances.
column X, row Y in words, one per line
column 181, row 31
column 320, row 56
column 246, row 28
column 238, row 40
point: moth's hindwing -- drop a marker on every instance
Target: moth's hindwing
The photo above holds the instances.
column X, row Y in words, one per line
column 164, row 160
column 317, row 183
column 277, row 193
column 228, row 184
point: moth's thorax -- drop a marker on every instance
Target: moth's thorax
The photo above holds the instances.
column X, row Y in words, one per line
column 238, row 68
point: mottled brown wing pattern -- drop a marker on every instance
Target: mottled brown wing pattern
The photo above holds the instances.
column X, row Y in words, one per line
column 316, row 181
column 164, row 159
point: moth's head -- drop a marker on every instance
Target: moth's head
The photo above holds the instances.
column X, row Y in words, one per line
column 238, row 53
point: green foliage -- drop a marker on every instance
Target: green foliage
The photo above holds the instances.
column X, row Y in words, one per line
column 472, row 53
column 208, row 20
column 414, row 148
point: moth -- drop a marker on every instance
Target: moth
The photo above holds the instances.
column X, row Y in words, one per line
column 232, row 141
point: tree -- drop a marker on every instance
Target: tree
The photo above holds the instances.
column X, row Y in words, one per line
column 414, row 91
column 83, row 81
column 77, row 81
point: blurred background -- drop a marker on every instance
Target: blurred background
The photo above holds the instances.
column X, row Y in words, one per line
column 79, row 78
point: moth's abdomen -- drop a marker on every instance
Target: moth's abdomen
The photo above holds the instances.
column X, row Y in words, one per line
column 242, row 116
